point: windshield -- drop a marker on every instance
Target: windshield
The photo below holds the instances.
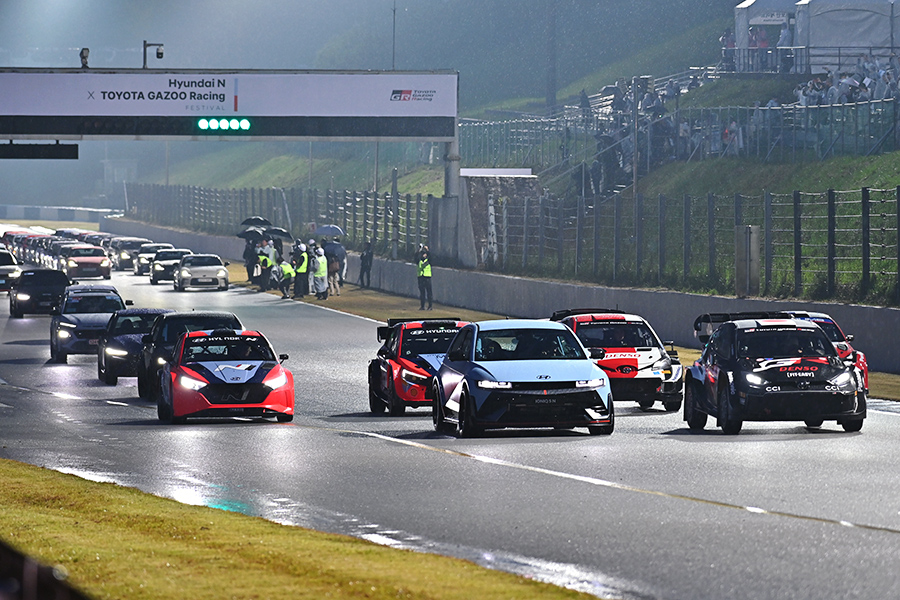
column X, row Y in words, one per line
column 616, row 335
column 173, row 328
column 527, row 344
column 44, row 278
column 426, row 341
column 782, row 343
column 202, row 261
column 236, row 348
column 93, row 304
column 87, row 252
column 7, row 259
column 164, row 255
column 134, row 324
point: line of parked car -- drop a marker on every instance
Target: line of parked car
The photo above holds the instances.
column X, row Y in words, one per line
column 192, row 364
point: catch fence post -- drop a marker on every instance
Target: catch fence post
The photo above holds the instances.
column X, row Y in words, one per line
column 661, row 238
column 711, row 234
column 617, row 236
column 525, row 221
column 638, row 235
column 831, row 250
column 866, row 242
column 897, row 249
column 541, row 239
column 767, row 217
column 798, row 247
column 560, row 234
column 686, row 254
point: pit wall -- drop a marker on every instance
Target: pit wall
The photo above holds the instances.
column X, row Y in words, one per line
column 876, row 329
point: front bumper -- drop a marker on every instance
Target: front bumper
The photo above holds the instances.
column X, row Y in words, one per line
column 123, row 366
column 539, row 408
column 796, row 405
column 224, row 400
column 78, row 341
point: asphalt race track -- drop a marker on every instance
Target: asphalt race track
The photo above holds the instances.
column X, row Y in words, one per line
column 652, row 511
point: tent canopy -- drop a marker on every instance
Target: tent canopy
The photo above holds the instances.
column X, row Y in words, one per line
column 846, row 23
column 759, row 12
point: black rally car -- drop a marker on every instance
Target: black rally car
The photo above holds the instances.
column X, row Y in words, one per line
column 758, row 368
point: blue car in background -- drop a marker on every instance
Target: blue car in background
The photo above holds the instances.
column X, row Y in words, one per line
column 520, row 373
column 119, row 346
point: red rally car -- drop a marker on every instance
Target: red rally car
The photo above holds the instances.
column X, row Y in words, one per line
column 408, row 360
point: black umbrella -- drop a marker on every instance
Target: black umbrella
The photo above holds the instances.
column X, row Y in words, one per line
column 256, row 221
column 329, row 230
column 279, row 231
column 252, row 233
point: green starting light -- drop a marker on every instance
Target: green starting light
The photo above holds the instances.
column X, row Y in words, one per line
column 224, row 124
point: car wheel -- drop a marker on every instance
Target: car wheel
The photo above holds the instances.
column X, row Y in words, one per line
column 107, row 277
column 376, row 406
column 153, row 281
column 14, row 313
column 730, row 424
column 696, row 419
column 606, row 429
column 852, row 426
column 282, row 418
column 814, row 423
column 437, row 412
column 466, row 427
column 672, row 405
column 142, row 384
column 163, row 411
column 645, row 404
column 110, row 378
column 223, row 288
column 395, row 403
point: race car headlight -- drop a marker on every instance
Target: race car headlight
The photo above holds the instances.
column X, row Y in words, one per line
column 116, row 352
column 124, row 255
column 413, row 378
column 63, row 334
column 14, row 274
column 844, row 378
column 105, row 262
column 754, row 379
column 185, row 273
column 160, row 360
column 191, row 383
column 158, row 267
column 277, row 381
column 72, row 263
column 487, row 384
column 591, row 384
column 221, row 273
column 144, row 260
column 22, row 296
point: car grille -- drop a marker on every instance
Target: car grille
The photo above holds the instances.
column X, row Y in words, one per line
column 244, row 393
column 198, row 281
column 539, row 387
column 88, row 334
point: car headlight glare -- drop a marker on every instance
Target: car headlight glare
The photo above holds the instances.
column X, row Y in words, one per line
column 487, row 384
column 63, row 334
column 191, row 383
column 72, row 264
column 158, row 267
column 185, row 273
column 222, row 273
column 15, row 274
column 412, row 377
column 143, row 260
column 160, row 360
column 591, row 383
column 754, row 379
column 64, row 324
column 105, row 262
column 124, row 255
column 116, row 352
column 23, row 296
column 277, row 381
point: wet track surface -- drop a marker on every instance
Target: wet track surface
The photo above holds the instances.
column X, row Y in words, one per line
column 653, row 511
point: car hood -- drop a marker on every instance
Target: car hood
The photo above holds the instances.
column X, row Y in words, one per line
column 93, row 320
column 233, row 372
column 542, row 370
column 629, row 360
column 88, row 259
column 429, row 362
column 130, row 342
column 781, row 370
column 205, row 271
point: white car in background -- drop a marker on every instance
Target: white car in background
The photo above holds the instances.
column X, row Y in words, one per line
column 201, row 270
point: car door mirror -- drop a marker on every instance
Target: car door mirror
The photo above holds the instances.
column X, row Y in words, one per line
column 283, row 357
column 129, row 303
column 850, row 338
column 146, row 339
column 456, row 355
column 598, row 353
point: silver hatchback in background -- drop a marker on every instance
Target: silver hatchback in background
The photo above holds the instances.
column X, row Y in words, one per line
column 201, row 270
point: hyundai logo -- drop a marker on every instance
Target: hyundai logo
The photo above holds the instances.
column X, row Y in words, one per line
column 543, row 377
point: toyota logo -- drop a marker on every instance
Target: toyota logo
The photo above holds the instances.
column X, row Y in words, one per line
column 626, row 369
column 543, row 377
column 803, row 385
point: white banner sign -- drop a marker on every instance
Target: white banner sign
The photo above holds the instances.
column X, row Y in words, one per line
column 211, row 93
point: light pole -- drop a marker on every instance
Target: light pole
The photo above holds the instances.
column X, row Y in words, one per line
column 159, row 51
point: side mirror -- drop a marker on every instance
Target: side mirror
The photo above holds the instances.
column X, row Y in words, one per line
column 598, row 353
column 227, row 263
column 456, row 356
column 129, row 303
column 146, row 339
column 54, row 311
column 383, row 333
column 850, row 338
column 283, row 357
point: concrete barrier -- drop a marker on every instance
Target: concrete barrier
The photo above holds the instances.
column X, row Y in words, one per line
column 10, row 212
column 876, row 329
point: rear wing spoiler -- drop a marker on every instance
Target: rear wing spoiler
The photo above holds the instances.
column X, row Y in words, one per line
column 559, row 315
column 384, row 332
column 707, row 323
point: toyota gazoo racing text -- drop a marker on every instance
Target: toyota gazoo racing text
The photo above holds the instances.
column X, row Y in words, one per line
column 520, row 373
column 756, row 368
column 225, row 373
column 639, row 366
column 400, row 375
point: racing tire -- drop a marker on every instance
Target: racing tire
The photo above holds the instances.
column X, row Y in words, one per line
column 696, row 420
column 730, row 425
column 672, row 405
column 107, row 277
column 163, row 412
column 57, row 356
column 466, row 427
column 223, row 288
column 376, row 406
column 813, row 423
column 282, row 418
column 437, row 413
column 605, row 429
column 105, row 376
column 154, row 281
column 395, row 403
column 852, row 426
column 645, row 405
column 15, row 314
column 142, row 384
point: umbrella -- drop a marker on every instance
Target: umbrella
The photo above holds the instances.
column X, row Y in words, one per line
column 279, row 231
column 329, row 230
column 252, row 233
column 256, row 221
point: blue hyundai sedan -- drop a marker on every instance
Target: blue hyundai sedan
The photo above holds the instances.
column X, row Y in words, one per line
column 524, row 373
